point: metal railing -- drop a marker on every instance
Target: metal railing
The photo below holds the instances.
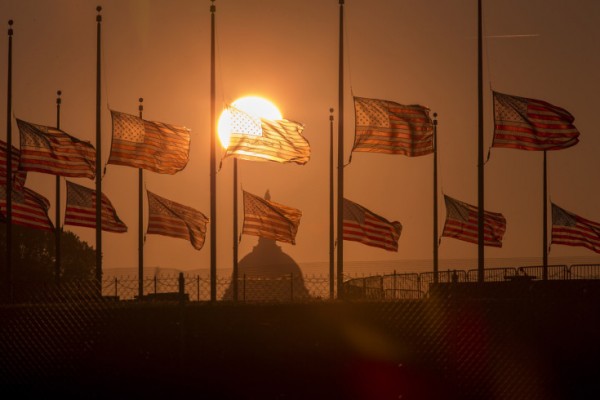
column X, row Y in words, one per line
column 284, row 288
column 416, row 286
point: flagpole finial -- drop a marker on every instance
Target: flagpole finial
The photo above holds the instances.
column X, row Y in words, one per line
column 99, row 17
column 212, row 6
column 58, row 93
column 435, row 118
column 10, row 24
column 331, row 113
column 141, row 106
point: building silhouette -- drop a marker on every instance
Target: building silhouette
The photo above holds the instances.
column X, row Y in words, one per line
column 268, row 274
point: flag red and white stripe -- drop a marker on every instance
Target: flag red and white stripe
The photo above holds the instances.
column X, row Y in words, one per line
column 28, row 208
column 572, row 230
column 462, row 223
column 270, row 220
column 169, row 218
column 51, row 151
column 81, row 210
column 18, row 176
column 530, row 124
column 364, row 226
column 155, row 146
column 261, row 139
column 383, row 126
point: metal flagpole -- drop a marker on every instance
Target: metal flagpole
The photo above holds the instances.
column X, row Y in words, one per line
column 9, row 229
column 340, row 172
column 98, row 154
column 480, row 180
column 140, row 221
column 213, row 172
column 435, row 203
column 235, row 230
column 331, row 208
column 57, row 222
column 545, row 222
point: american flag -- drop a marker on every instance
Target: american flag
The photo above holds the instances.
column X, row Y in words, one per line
column 462, row 223
column 364, row 226
column 572, row 230
column 51, row 151
column 155, row 146
column 169, row 218
column 81, row 210
column 270, row 220
column 260, row 139
column 530, row 124
column 19, row 176
column 383, row 126
column 28, row 208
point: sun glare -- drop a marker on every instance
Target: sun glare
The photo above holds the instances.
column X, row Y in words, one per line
column 258, row 107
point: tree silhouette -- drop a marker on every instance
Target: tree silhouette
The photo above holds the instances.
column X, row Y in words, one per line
column 34, row 255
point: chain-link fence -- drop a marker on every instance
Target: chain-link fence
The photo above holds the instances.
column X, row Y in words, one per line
column 284, row 288
column 395, row 337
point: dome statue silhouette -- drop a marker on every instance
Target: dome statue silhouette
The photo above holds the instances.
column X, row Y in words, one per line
column 268, row 274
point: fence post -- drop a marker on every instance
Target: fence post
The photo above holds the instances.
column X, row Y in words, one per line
column 155, row 284
column 395, row 286
column 181, row 287
column 116, row 291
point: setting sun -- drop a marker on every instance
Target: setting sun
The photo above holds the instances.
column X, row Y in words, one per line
column 256, row 106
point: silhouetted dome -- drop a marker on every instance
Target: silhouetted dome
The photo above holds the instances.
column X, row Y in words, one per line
column 266, row 274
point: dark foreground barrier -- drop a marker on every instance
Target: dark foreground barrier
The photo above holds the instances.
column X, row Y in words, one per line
column 451, row 346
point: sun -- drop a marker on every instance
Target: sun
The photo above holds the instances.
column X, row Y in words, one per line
column 256, row 106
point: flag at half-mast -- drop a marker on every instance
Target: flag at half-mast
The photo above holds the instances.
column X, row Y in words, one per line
column 462, row 223
column 261, row 139
column 52, row 151
column 169, row 218
column 364, row 226
column 383, row 126
column 29, row 208
column 270, row 220
column 572, row 230
column 81, row 210
column 151, row 145
column 18, row 175
column 531, row 124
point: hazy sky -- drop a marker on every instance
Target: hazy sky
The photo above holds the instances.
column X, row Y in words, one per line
column 408, row 51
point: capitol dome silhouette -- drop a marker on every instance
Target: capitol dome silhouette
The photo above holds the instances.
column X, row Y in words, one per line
column 268, row 274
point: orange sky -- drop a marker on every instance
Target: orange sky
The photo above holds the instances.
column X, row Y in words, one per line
column 405, row 51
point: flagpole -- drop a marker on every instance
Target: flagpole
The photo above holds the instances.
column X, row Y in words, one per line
column 340, row 166
column 545, row 222
column 435, row 202
column 235, row 230
column 331, row 211
column 480, row 173
column 98, row 154
column 58, row 228
column 140, row 221
column 213, row 172
column 9, row 229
